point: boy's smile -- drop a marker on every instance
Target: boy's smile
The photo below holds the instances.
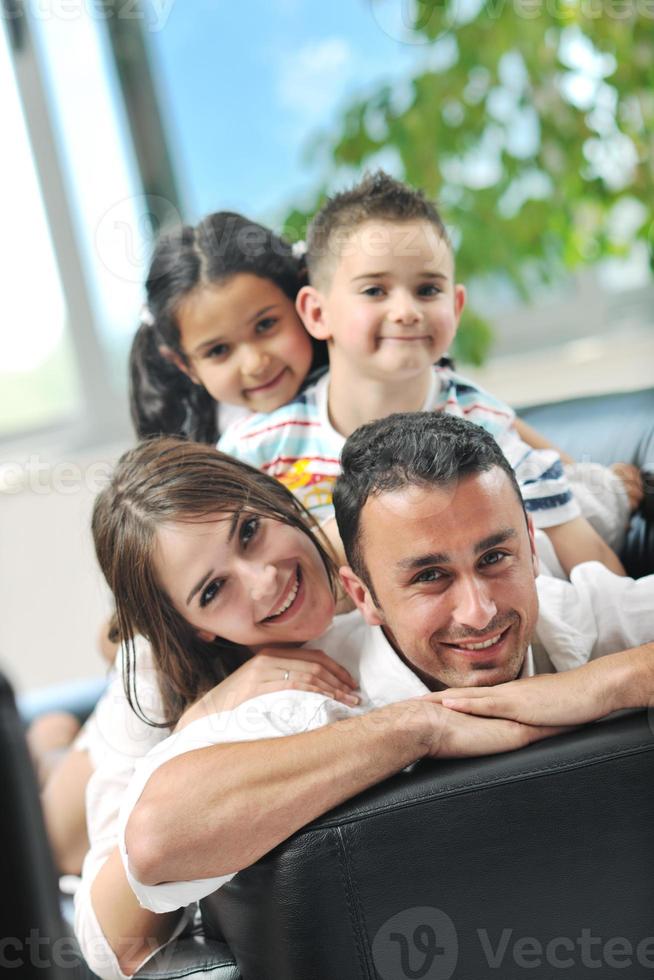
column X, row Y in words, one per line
column 391, row 308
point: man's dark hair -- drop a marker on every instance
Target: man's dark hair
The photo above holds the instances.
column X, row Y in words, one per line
column 378, row 197
column 407, row 449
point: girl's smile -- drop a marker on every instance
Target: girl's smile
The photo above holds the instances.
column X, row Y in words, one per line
column 244, row 342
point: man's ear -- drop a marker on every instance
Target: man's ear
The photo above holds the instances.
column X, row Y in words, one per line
column 532, row 545
column 359, row 593
column 175, row 358
column 310, row 305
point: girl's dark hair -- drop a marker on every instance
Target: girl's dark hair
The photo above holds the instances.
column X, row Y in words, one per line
column 163, row 400
column 172, row 480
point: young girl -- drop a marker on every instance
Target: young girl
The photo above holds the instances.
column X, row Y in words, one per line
column 221, row 331
column 166, row 499
column 220, row 335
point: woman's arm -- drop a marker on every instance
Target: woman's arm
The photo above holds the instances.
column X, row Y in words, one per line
column 64, row 811
column 132, row 932
column 117, row 935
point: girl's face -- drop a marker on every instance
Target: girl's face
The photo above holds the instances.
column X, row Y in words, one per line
column 244, row 342
column 250, row 580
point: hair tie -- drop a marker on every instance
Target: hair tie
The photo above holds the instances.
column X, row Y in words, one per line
column 146, row 317
column 299, row 250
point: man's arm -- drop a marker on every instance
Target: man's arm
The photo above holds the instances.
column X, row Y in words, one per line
column 216, row 810
column 612, row 683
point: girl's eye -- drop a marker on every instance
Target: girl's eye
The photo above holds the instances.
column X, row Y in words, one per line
column 248, row 530
column 373, row 291
column 210, row 592
column 218, row 351
column 265, row 325
column 429, row 290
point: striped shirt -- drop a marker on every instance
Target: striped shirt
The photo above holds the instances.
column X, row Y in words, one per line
column 298, row 445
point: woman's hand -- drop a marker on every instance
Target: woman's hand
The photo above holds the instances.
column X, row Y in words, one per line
column 277, row 669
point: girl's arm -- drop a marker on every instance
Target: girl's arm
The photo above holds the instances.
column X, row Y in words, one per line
column 63, row 800
column 534, row 439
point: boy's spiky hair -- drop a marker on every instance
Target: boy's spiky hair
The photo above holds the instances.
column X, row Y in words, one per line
column 378, row 197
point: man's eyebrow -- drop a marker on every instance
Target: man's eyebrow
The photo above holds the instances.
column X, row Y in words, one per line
column 233, row 524
column 443, row 558
column 500, row 537
column 424, row 561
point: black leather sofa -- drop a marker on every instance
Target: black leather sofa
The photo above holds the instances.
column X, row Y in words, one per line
column 534, row 864
column 538, row 863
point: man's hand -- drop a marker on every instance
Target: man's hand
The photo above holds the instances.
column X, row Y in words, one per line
column 570, row 698
column 458, row 735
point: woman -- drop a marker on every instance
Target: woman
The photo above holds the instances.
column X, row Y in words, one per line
column 211, row 562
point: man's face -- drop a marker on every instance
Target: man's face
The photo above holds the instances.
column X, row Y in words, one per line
column 453, row 573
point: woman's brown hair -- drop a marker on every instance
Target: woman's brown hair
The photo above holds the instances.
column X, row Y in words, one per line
column 159, row 482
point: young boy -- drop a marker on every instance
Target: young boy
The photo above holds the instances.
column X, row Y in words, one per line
column 384, row 297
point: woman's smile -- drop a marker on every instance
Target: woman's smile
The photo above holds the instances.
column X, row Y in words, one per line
column 250, row 578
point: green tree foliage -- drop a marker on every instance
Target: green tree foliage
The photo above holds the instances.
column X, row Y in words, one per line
column 531, row 122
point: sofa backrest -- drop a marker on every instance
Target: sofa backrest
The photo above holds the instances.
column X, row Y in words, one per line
column 531, row 864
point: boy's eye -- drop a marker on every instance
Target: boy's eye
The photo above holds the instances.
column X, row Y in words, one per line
column 248, row 531
column 210, row 592
column 429, row 289
column 218, row 351
column 373, row 291
column 263, row 326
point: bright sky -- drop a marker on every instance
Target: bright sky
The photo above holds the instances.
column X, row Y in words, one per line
column 243, row 93
column 244, row 89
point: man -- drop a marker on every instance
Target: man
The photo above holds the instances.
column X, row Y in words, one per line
column 443, row 569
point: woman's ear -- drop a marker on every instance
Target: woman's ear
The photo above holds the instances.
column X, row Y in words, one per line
column 205, row 635
column 310, row 306
column 175, row 358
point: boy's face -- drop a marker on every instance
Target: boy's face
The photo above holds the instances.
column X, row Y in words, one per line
column 391, row 308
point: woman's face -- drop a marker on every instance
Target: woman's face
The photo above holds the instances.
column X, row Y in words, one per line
column 247, row 579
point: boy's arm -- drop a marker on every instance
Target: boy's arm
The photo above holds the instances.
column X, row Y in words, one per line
column 576, row 541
